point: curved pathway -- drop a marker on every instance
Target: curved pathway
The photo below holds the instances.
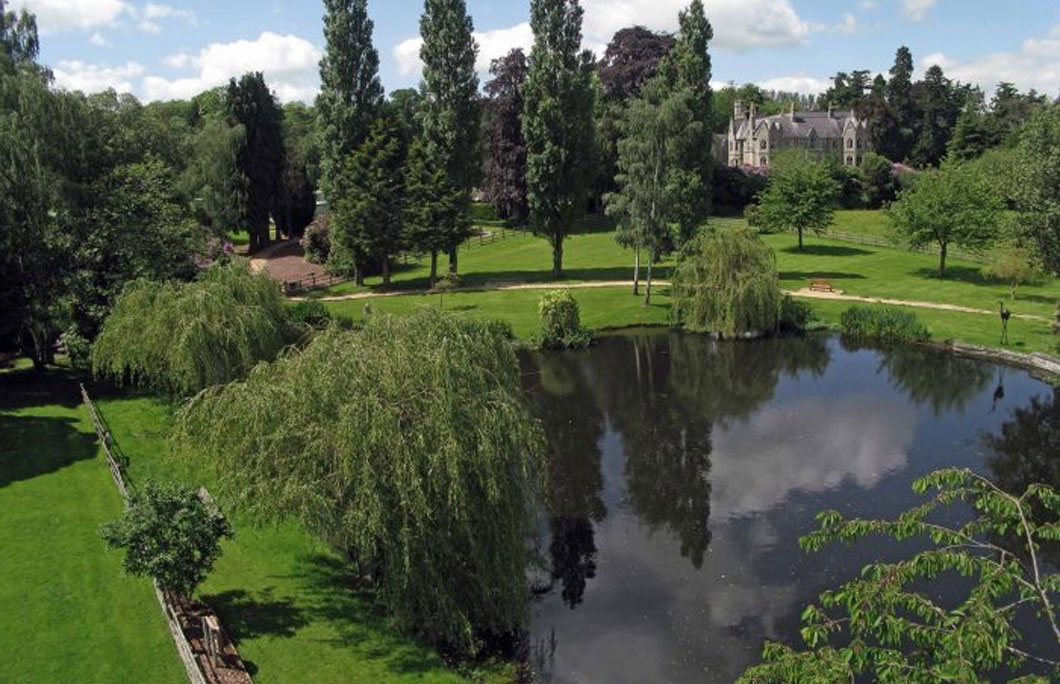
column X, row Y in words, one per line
column 804, row 293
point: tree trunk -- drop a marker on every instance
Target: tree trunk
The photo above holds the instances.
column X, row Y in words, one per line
column 942, row 260
column 386, row 270
column 453, row 260
column 647, row 281
column 636, row 271
column 800, row 239
column 557, row 258
column 358, row 274
column 434, row 267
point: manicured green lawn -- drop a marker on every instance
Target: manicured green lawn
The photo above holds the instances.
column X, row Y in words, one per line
column 855, row 269
column 286, row 598
column 605, row 307
column 67, row 612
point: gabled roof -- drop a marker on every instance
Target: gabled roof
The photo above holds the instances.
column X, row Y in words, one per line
column 801, row 124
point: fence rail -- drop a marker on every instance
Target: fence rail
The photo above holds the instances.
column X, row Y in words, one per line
column 878, row 241
column 198, row 664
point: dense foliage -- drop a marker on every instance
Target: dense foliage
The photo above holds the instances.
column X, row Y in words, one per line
column 887, row 627
column 956, row 205
column 800, row 195
column 1037, row 187
column 170, row 534
column 450, row 112
column 561, row 322
column 505, row 158
column 182, row 337
column 726, row 283
column 409, row 446
column 351, row 94
column 558, row 99
column 882, row 325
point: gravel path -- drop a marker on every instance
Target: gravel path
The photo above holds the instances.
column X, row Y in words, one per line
column 805, row 293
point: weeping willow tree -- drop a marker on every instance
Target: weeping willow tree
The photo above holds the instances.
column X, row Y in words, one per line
column 408, row 446
column 726, row 283
column 182, row 337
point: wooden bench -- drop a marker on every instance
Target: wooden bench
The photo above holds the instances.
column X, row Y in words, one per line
column 821, row 286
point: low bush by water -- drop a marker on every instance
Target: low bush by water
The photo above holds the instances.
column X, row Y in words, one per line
column 863, row 324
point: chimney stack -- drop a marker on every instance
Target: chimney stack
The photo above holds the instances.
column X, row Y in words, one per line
column 738, row 110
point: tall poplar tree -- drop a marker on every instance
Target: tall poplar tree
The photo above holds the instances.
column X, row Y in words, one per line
column 558, row 100
column 450, row 108
column 351, row 95
column 260, row 153
column 687, row 68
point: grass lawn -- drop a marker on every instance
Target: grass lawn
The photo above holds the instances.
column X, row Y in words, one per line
column 67, row 612
column 855, row 269
column 285, row 597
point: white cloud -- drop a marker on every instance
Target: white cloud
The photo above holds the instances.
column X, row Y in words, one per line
column 77, row 75
column 154, row 11
column 1035, row 65
column 99, row 40
column 866, row 5
column 916, row 10
column 181, row 60
column 739, row 25
column 848, row 24
column 54, row 16
column 149, row 26
column 807, row 85
column 290, row 65
column 491, row 45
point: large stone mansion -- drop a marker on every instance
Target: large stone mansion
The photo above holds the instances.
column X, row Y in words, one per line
column 752, row 139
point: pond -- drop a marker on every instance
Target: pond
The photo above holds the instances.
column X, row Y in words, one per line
column 684, row 470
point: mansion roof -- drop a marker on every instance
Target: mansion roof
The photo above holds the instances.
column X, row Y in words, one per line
column 801, row 124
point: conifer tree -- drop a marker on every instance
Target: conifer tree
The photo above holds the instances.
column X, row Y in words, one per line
column 366, row 218
column 557, row 122
column 259, row 156
column 432, row 202
column 450, row 109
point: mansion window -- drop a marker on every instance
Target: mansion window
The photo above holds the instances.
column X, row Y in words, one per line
column 762, row 145
column 850, row 143
column 850, row 160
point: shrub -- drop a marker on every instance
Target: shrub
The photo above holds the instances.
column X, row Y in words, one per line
column 316, row 242
column 170, row 534
column 181, row 337
column 1015, row 266
column 726, row 283
column 78, row 349
column 795, row 315
column 561, row 323
column 407, row 445
column 882, row 325
column 483, row 211
column 310, row 312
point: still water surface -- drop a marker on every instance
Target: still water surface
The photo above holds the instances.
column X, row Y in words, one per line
column 684, row 470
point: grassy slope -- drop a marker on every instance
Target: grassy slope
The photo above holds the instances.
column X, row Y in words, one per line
column 283, row 595
column 67, row 612
column 856, row 269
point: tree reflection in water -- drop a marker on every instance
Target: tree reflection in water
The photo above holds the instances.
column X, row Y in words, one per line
column 574, row 425
column 945, row 382
column 1027, row 451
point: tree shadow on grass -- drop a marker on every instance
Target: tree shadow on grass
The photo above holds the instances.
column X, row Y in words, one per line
column 827, row 250
column 973, row 275
column 814, row 275
column 337, row 595
column 31, row 446
column 246, row 615
column 20, row 389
